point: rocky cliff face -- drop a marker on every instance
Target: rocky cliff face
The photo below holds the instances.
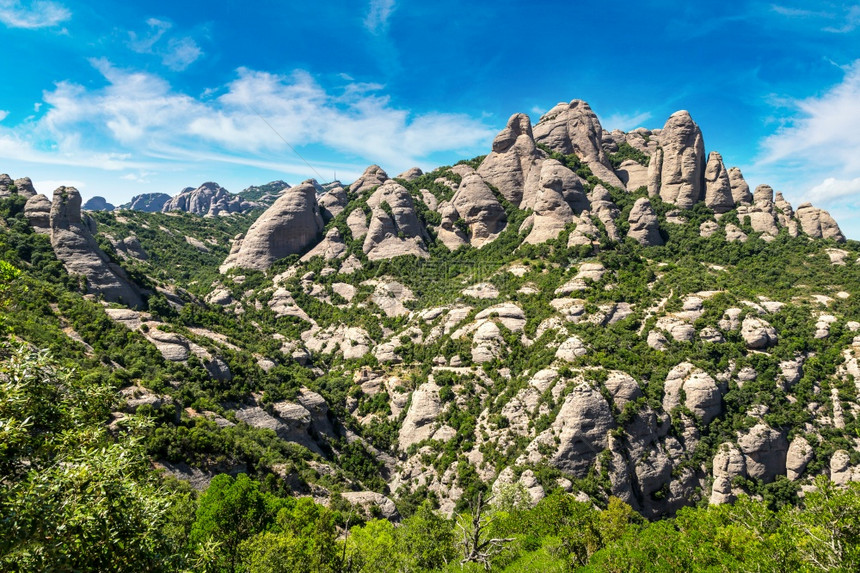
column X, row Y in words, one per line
column 208, row 200
column 74, row 244
column 290, row 226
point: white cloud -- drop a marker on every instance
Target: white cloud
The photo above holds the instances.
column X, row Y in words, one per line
column 137, row 121
column 626, row 122
column 3, row 114
column 378, row 14
column 177, row 53
column 824, row 131
column 32, row 15
column 832, row 189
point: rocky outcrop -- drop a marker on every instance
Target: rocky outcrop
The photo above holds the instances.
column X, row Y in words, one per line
column 729, row 463
column 633, row 175
column 514, row 157
column 208, row 200
column 97, row 204
column 25, row 187
column 606, row 210
column 394, row 228
column 560, row 196
column 683, row 161
column 574, row 129
column 411, row 174
column 799, row 455
column 481, row 213
column 702, row 397
column 718, row 188
column 764, row 450
column 288, row 227
column 332, row 202
column 373, row 177
column 331, row 247
column 818, row 224
column 740, row 188
column 644, row 227
column 148, row 202
column 757, row 333
column 419, row 423
column 38, row 213
column 74, row 244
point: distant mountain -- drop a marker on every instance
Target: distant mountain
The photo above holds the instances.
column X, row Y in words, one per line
column 97, row 204
column 148, row 202
column 265, row 194
column 209, row 200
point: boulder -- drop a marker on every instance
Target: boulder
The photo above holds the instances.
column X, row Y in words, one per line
column 419, row 423
column 288, row 227
column 702, row 396
column 765, row 451
column 574, row 129
column 375, row 505
column 708, row 228
column 818, row 224
column 734, row 233
column 683, row 161
column 718, row 189
column 644, row 227
column 757, row 333
column 38, row 213
column 331, row 247
column 606, row 210
column 799, row 454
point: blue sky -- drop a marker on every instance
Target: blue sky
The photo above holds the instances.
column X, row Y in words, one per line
column 122, row 98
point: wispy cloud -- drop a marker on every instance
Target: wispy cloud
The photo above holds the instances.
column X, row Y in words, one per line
column 177, row 53
column 32, row 15
column 835, row 20
column 832, row 189
column 378, row 14
column 626, row 122
column 822, row 131
column 3, row 114
column 137, row 121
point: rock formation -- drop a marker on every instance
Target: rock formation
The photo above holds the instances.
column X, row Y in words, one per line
column 209, row 200
column 643, row 224
column 683, row 161
column 291, row 225
column 476, row 205
column 740, row 188
column 513, row 159
column 373, row 177
column 560, row 196
column 818, row 224
column 718, row 188
column 574, row 129
column 74, row 244
column 147, row 202
column 394, row 228
column 38, row 213
column 97, row 204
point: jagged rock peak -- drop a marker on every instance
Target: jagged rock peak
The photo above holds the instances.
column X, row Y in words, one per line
column 683, row 161
column 74, row 244
column 561, row 195
column 718, row 188
column 373, row 176
column 210, row 200
column 574, row 128
column 147, row 202
column 97, row 203
column 292, row 224
column 818, row 223
column 25, row 187
column 644, row 227
column 22, row 186
column 511, row 165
